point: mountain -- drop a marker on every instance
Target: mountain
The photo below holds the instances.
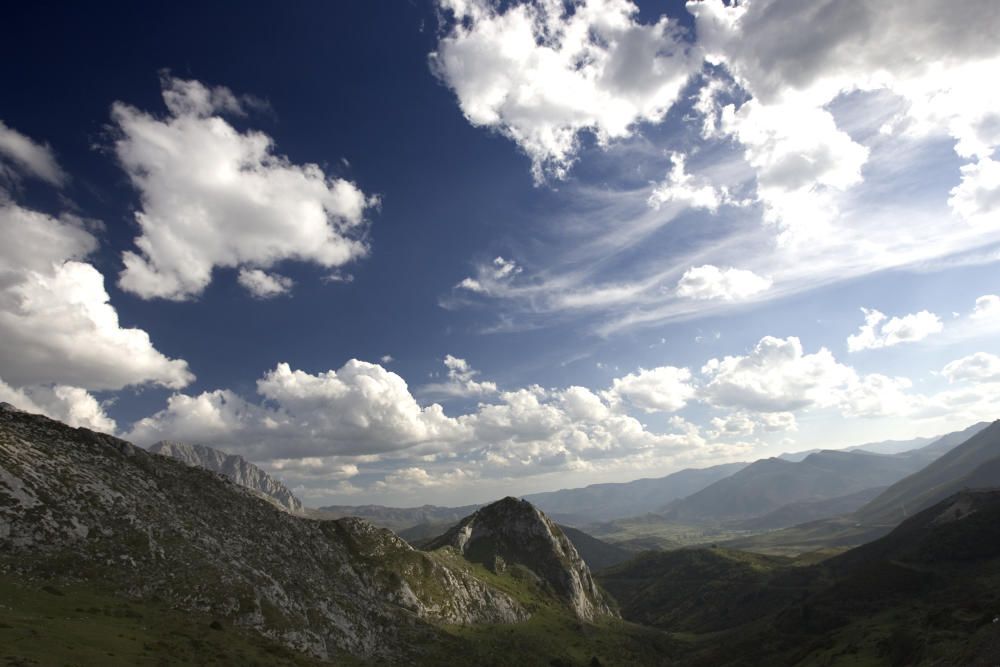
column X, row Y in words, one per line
column 968, row 465
column 804, row 511
column 111, row 555
column 769, row 484
column 954, row 465
column 597, row 554
column 512, row 532
column 945, row 443
column 604, row 502
column 236, row 468
column 924, row 594
column 151, row 528
column 893, row 446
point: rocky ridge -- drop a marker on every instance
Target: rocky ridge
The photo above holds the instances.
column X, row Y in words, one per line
column 236, row 468
column 514, row 532
column 78, row 503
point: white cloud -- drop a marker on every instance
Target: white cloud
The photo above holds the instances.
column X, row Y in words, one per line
column 801, row 160
column 543, row 72
column 311, row 426
column 711, row 282
column 264, row 285
column 987, row 307
column 876, row 395
column 877, row 332
column 461, row 381
column 776, row 376
column 28, row 156
column 71, row 405
column 680, row 187
column 977, row 197
column 978, row 367
column 215, row 197
column 491, row 278
column 662, row 389
column 746, row 424
column 359, row 409
column 56, row 322
column 788, row 132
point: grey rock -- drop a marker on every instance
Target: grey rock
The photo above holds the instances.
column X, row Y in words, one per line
column 515, row 532
column 236, row 468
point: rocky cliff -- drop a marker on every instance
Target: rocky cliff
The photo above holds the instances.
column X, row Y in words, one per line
column 236, row 468
column 514, row 532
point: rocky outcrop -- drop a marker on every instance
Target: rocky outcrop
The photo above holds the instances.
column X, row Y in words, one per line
column 515, row 532
column 75, row 501
column 232, row 466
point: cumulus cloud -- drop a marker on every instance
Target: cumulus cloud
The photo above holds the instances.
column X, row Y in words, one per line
column 978, row 367
column 987, row 307
column 745, row 424
column 310, row 426
column 877, row 395
column 461, row 381
column 801, row 160
column 878, row 332
column 977, row 198
column 776, row 376
column 682, row 188
column 543, row 72
column 359, row 409
column 56, row 322
column 711, row 282
column 71, row 405
column 264, row 285
column 20, row 154
column 212, row 196
column 663, row 389
column 789, row 135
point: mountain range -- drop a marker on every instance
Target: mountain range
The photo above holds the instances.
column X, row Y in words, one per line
column 110, row 554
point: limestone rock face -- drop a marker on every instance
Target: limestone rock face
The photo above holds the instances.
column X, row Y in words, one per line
column 76, row 501
column 232, row 466
column 515, row 532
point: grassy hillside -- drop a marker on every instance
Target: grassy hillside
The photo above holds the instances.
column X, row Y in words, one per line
column 925, row 594
column 60, row 623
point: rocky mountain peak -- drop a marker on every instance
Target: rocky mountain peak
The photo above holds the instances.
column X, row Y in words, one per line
column 515, row 532
column 236, row 468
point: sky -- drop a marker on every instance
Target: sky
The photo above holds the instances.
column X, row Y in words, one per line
column 456, row 249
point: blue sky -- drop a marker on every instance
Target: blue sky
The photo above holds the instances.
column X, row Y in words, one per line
column 461, row 249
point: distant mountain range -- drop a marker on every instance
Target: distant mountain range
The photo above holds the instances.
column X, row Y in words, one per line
column 975, row 463
column 972, row 464
column 602, row 502
column 773, row 493
column 236, row 468
column 769, row 484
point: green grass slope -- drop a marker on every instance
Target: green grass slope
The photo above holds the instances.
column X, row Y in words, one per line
column 925, row 594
